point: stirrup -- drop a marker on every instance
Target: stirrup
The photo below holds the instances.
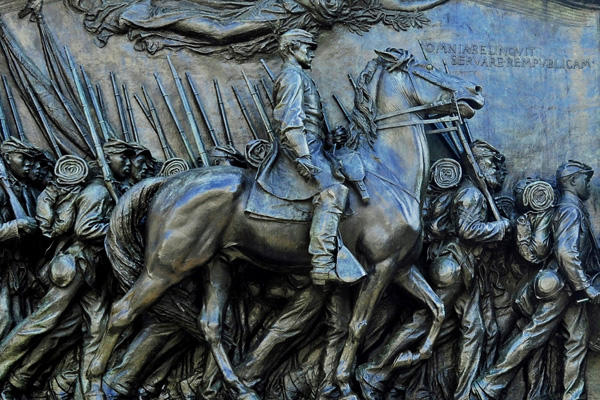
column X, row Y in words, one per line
column 362, row 191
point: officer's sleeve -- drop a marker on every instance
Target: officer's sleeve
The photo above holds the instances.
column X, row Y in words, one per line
column 8, row 227
column 567, row 236
column 470, row 225
column 93, row 213
column 289, row 112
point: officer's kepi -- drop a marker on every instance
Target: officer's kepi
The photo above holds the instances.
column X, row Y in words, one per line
column 298, row 36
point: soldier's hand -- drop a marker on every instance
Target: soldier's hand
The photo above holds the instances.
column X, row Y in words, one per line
column 305, row 167
column 593, row 294
column 26, row 225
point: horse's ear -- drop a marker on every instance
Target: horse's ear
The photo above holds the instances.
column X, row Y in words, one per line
column 394, row 58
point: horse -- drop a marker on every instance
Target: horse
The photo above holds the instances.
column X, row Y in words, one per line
column 196, row 220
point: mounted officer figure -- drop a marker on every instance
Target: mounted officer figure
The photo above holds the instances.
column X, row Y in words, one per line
column 299, row 168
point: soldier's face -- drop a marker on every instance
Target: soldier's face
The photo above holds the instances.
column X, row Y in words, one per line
column 140, row 167
column 581, row 184
column 35, row 173
column 19, row 164
column 492, row 173
column 304, row 54
column 120, row 165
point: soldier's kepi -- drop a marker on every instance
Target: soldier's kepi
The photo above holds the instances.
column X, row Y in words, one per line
column 299, row 168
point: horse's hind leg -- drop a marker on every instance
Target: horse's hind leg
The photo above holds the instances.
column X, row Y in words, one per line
column 217, row 282
column 368, row 296
column 142, row 294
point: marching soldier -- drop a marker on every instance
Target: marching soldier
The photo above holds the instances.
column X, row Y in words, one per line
column 118, row 157
column 550, row 301
column 75, row 213
column 143, row 165
column 18, row 158
column 458, row 276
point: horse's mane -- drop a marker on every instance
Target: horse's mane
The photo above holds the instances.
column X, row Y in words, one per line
column 362, row 124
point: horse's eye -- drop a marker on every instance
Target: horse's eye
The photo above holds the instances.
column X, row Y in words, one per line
column 429, row 67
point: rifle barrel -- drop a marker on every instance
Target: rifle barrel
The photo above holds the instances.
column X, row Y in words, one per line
column 182, row 135
column 223, row 113
column 189, row 114
column 95, row 104
column 260, row 107
column 45, row 125
column 3, row 124
column 106, row 172
column 245, row 113
column 267, row 70
column 268, row 92
column 71, row 115
column 134, row 129
column 209, row 126
column 168, row 152
column 145, row 111
column 342, row 108
column 13, row 108
column 120, row 109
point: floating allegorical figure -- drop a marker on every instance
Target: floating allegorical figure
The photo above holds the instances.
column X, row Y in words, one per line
column 236, row 28
column 550, row 302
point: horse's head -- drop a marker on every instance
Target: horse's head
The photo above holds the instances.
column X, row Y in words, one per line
column 422, row 83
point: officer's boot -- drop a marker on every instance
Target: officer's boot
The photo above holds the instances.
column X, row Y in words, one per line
column 328, row 208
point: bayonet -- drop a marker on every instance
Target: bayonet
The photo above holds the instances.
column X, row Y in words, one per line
column 71, row 115
column 101, row 102
column 13, row 108
column 189, row 114
column 228, row 137
column 120, row 109
column 15, row 204
column 203, row 113
column 184, row 138
column 134, row 130
column 268, row 70
column 168, row 152
column 106, row 172
column 260, row 107
column 245, row 113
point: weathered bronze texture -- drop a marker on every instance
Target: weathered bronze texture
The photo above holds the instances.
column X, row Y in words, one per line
column 386, row 233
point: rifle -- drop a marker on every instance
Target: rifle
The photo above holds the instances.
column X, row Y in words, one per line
column 96, row 105
column 120, row 110
column 260, row 108
column 245, row 113
column 168, row 152
column 267, row 70
column 45, row 125
column 228, row 137
column 106, row 172
column 342, row 108
column 101, row 102
column 145, row 111
column 71, row 115
column 189, row 114
column 268, row 92
column 184, row 138
column 200, row 106
column 478, row 175
column 13, row 108
column 134, row 130
column 3, row 124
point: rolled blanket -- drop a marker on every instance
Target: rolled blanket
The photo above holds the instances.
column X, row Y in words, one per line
column 174, row 166
column 538, row 196
column 446, row 173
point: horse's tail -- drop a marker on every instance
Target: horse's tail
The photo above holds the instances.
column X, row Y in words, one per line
column 125, row 240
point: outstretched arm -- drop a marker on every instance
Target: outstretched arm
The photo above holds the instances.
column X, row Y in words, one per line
column 410, row 5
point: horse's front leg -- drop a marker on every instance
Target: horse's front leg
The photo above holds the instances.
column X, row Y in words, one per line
column 414, row 283
column 368, row 296
column 217, row 281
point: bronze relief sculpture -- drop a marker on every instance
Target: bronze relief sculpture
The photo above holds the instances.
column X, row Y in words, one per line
column 323, row 261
